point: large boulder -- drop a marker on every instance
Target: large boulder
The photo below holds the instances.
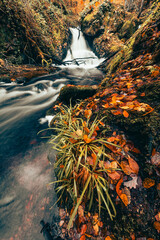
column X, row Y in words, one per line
column 33, row 31
column 102, row 25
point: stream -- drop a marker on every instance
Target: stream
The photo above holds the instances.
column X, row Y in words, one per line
column 25, row 171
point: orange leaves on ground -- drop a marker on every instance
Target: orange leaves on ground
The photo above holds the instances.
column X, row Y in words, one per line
column 87, row 113
column 96, row 224
column 126, row 168
column 112, row 139
column 119, row 192
column 158, row 217
column 114, row 175
column 72, row 140
column 97, row 4
column 125, row 114
column 86, row 139
column 124, row 199
column 80, row 211
column 133, row 165
column 105, row 105
column 116, row 112
column 155, row 73
column 101, row 123
column 61, row 166
column 83, row 231
column 108, row 238
column 92, row 159
column 148, row 183
column 157, row 225
column 158, row 186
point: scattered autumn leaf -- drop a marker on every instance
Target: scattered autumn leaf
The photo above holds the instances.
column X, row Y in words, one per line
column 116, row 112
column 133, row 165
column 158, row 186
column 158, row 217
column 157, row 225
column 86, row 139
column 108, row 238
column 87, row 113
column 72, row 140
column 125, row 114
column 119, row 192
column 148, row 183
column 132, row 183
column 124, row 199
column 80, row 211
column 126, row 168
column 114, row 175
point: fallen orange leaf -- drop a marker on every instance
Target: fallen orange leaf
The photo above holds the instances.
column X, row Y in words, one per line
column 116, row 112
column 114, row 175
column 158, row 217
column 124, row 199
column 153, row 151
column 72, row 140
column 158, row 186
column 157, row 225
column 125, row 114
column 126, row 168
column 133, row 165
column 148, row 183
column 119, row 192
column 86, row 139
column 108, row 238
column 87, row 113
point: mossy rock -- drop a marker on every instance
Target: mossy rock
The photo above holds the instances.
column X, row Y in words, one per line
column 128, row 28
column 72, row 94
column 139, row 43
column 33, row 31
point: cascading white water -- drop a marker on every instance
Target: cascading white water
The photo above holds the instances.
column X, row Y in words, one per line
column 24, row 169
column 80, row 52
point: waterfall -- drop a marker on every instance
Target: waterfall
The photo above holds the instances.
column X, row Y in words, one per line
column 80, row 53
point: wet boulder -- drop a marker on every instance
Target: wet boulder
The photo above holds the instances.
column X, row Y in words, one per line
column 72, row 94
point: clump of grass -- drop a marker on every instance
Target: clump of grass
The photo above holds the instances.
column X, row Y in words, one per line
column 80, row 166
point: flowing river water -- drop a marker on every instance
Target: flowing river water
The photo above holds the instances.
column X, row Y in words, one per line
column 25, row 198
